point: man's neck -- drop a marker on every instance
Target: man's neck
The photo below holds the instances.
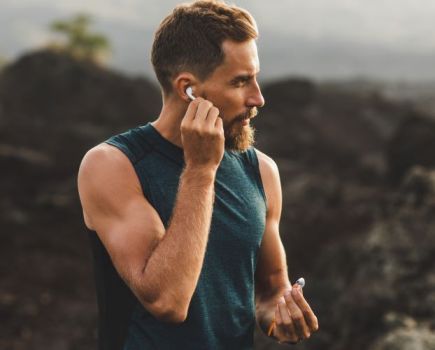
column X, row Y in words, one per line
column 169, row 121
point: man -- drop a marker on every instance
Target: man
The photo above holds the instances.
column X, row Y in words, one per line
column 185, row 209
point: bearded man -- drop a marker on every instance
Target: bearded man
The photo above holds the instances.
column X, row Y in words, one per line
column 183, row 212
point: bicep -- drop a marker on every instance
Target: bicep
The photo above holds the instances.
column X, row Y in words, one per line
column 115, row 207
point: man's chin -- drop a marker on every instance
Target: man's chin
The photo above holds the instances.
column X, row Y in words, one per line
column 240, row 139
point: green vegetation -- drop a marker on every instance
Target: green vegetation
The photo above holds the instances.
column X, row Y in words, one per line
column 3, row 62
column 79, row 41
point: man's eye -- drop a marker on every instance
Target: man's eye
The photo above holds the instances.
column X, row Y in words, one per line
column 240, row 83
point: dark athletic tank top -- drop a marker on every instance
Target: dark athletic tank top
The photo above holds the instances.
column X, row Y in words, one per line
column 221, row 314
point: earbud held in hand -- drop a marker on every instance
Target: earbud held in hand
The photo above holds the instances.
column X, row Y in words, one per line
column 301, row 282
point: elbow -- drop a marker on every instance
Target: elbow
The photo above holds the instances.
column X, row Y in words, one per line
column 171, row 315
column 167, row 312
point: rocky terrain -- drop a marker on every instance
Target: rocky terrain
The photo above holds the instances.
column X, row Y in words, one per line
column 358, row 215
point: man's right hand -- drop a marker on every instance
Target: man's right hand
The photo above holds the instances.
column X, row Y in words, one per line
column 202, row 135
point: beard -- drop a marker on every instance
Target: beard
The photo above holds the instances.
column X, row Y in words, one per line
column 237, row 136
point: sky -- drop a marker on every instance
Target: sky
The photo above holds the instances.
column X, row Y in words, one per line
column 321, row 39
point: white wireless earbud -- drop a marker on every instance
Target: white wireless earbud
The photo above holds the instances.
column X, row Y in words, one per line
column 190, row 93
column 301, row 282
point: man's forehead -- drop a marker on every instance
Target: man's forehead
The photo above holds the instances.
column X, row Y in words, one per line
column 240, row 58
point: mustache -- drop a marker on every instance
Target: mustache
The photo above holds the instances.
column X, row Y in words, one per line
column 250, row 113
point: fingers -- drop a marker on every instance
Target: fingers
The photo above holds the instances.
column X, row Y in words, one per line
column 202, row 113
column 286, row 325
column 310, row 318
column 278, row 319
column 204, row 107
column 192, row 110
column 219, row 124
column 213, row 114
column 297, row 315
column 202, row 135
column 294, row 319
column 198, row 109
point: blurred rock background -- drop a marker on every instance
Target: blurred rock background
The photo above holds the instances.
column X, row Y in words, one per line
column 358, row 218
column 356, row 158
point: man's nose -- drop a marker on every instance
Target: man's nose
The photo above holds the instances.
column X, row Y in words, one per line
column 255, row 98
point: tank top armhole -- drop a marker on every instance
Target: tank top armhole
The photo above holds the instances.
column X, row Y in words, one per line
column 125, row 147
column 253, row 159
column 113, row 141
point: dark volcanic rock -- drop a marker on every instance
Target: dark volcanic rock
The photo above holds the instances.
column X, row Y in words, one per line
column 297, row 93
column 412, row 144
column 58, row 106
column 366, row 249
column 329, row 129
column 53, row 109
column 405, row 333
column 396, row 268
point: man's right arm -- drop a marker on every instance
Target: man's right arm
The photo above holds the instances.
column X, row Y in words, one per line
column 161, row 267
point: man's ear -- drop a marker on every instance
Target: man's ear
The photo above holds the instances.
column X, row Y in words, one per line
column 181, row 83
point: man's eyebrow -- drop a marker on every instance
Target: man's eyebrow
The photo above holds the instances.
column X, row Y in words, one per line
column 243, row 77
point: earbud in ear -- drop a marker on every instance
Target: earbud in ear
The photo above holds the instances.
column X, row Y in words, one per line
column 190, row 93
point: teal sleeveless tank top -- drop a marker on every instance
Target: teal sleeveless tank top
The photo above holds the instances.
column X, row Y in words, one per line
column 221, row 314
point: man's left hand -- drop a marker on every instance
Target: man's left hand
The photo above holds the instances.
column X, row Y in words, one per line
column 294, row 319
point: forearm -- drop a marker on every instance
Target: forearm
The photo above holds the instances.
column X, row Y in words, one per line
column 173, row 269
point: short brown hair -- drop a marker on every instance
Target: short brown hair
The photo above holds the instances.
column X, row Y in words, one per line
column 190, row 38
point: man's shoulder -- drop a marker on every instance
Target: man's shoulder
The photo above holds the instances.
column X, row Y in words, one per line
column 102, row 162
column 271, row 181
column 104, row 155
column 266, row 163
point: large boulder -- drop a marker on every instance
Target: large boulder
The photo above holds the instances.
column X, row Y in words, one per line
column 56, row 105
